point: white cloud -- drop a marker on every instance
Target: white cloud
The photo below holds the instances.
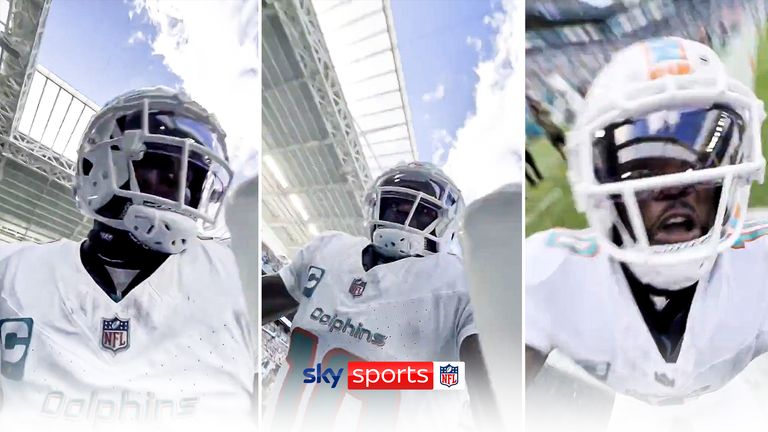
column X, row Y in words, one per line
column 441, row 142
column 475, row 43
column 435, row 95
column 138, row 36
column 213, row 47
column 441, row 136
column 486, row 149
column 496, row 19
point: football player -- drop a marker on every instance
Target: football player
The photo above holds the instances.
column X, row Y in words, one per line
column 663, row 297
column 397, row 295
column 543, row 118
column 143, row 321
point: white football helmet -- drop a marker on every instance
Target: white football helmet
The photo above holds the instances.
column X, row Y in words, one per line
column 154, row 163
column 664, row 116
column 413, row 209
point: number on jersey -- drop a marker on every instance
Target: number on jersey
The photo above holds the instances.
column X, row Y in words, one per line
column 378, row 408
column 585, row 246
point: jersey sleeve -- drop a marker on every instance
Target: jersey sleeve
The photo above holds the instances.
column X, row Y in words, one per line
column 293, row 273
column 541, row 262
column 537, row 322
column 241, row 347
column 460, row 307
column 465, row 324
column 761, row 344
column 3, row 279
column 8, row 296
column 299, row 275
column 6, row 275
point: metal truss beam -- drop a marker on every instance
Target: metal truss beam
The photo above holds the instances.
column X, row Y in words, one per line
column 328, row 221
column 38, row 157
column 300, row 146
column 22, row 42
column 309, row 190
column 306, row 38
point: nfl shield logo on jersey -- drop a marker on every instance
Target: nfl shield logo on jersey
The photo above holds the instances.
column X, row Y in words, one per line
column 115, row 334
column 357, row 287
column 449, row 375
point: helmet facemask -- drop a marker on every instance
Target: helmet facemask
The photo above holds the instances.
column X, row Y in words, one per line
column 156, row 168
column 673, row 185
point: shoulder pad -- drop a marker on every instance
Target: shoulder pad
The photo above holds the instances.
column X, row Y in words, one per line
column 11, row 249
column 753, row 230
column 546, row 251
column 335, row 236
column 6, row 249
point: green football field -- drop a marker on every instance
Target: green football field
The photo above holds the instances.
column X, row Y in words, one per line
column 550, row 204
column 759, row 194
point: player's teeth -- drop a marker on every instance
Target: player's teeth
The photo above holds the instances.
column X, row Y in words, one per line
column 676, row 219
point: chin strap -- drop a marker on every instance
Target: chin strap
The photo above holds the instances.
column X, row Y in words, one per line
column 160, row 230
column 394, row 243
column 673, row 277
column 113, row 246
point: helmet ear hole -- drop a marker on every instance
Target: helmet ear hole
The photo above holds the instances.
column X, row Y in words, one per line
column 87, row 166
column 430, row 245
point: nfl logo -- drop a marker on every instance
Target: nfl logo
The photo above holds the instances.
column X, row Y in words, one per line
column 357, row 287
column 115, row 334
column 449, row 375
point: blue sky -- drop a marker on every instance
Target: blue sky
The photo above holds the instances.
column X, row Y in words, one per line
column 432, row 37
column 103, row 48
column 86, row 44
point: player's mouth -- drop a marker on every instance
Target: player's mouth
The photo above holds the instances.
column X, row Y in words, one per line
column 676, row 226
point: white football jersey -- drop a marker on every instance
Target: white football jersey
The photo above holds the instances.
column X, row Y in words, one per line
column 6, row 249
column 177, row 347
column 413, row 309
column 577, row 301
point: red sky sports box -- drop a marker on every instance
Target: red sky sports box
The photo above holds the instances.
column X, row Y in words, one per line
column 406, row 376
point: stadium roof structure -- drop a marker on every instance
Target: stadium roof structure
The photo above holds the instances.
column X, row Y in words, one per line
column 361, row 40
column 334, row 114
column 36, row 129
column 549, row 13
column 566, row 23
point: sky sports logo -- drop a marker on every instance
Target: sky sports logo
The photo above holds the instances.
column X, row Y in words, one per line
column 392, row 376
